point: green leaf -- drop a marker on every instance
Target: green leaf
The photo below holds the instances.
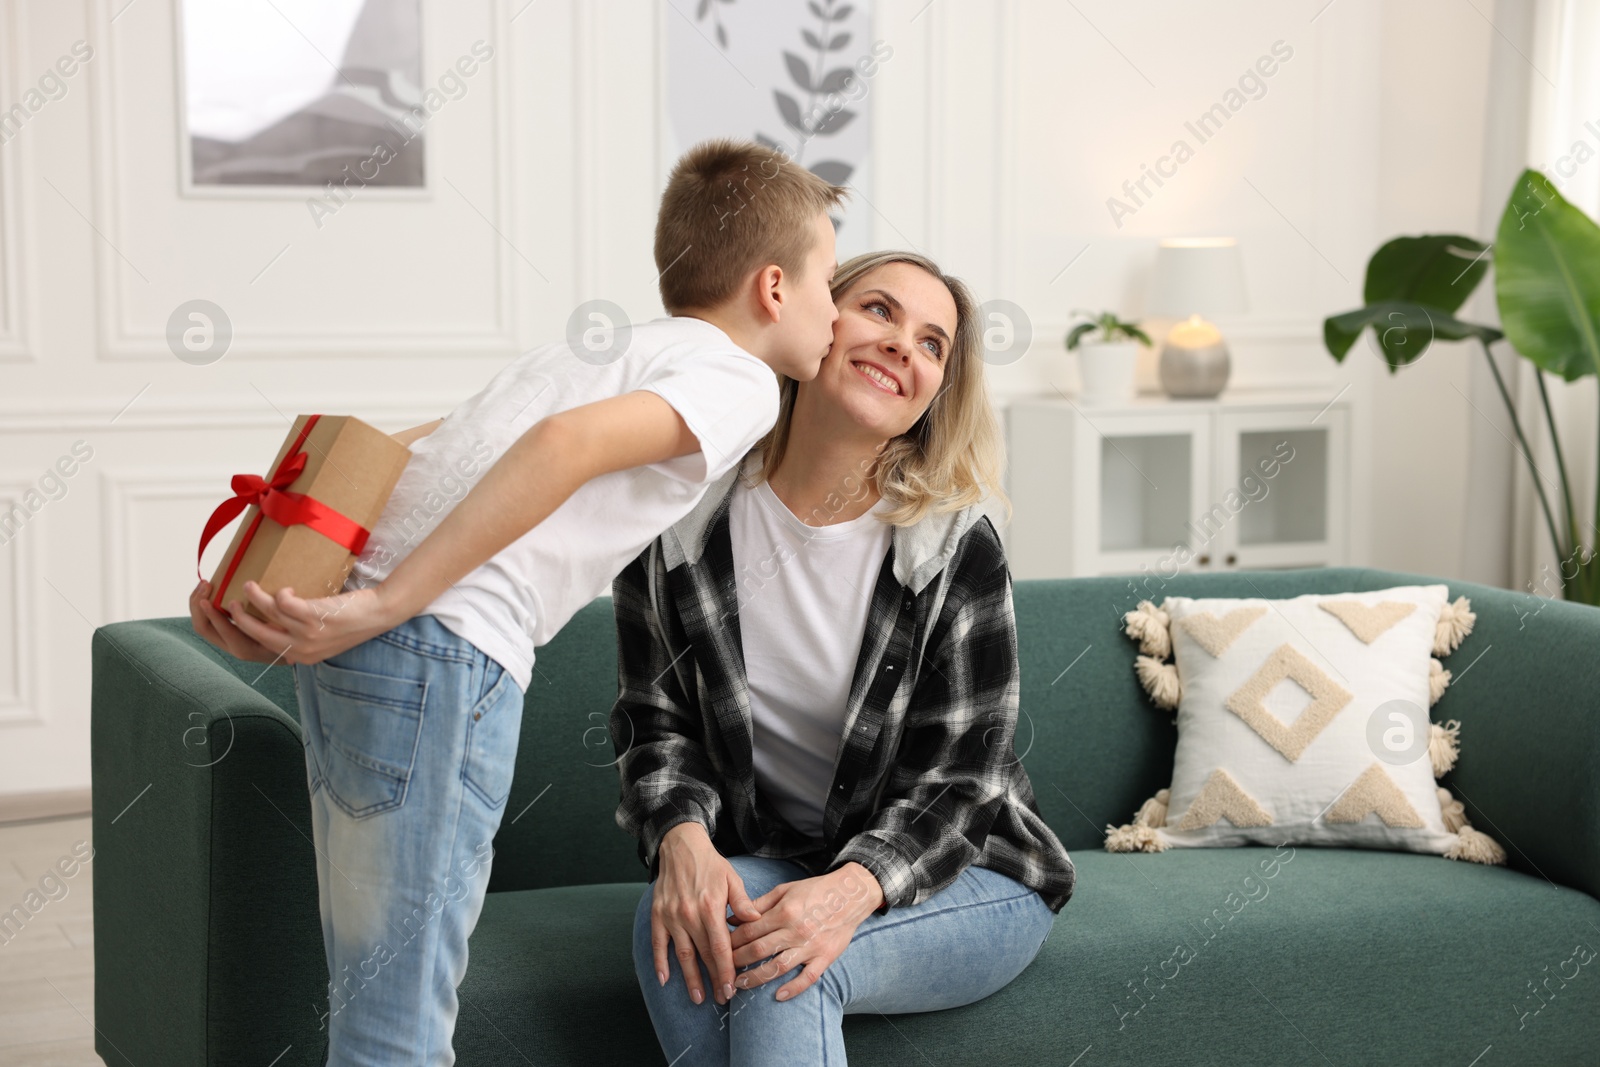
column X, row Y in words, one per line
column 1403, row 330
column 1547, row 279
column 1438, row 270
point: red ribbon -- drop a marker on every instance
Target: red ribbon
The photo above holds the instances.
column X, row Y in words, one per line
column 275, row 502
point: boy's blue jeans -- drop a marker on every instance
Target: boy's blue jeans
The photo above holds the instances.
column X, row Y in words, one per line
column 965, row 942
column 411, row 741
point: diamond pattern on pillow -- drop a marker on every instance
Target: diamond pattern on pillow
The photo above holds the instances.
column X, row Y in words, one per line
column 1328, row 698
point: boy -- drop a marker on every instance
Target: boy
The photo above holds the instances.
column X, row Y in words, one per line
column 411, row 733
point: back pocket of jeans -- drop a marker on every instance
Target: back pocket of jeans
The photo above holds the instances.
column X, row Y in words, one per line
column 370, row 725
column 493, row 729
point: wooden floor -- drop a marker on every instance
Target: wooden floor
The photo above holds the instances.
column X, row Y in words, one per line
column 46, row 970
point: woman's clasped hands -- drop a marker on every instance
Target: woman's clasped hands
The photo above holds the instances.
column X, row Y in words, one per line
column 806, row 923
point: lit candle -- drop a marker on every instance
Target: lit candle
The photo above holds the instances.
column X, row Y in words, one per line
column 1194, row 332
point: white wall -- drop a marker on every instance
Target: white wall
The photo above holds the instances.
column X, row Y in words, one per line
column 1000, row 127
column 1431, row 142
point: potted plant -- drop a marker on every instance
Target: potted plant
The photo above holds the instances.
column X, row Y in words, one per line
column 1546, row 258
column 1106, row 362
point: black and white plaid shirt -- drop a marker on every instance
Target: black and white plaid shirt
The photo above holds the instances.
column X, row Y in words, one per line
column 927, row 781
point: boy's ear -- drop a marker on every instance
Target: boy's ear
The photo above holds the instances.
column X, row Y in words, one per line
column 769, row 291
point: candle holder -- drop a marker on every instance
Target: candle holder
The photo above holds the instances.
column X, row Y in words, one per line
column 1196, row 277
column 1194, row 360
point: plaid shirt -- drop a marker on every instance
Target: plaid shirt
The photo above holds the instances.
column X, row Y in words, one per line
column 927, row 780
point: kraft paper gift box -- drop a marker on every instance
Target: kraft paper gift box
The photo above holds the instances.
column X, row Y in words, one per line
column 308, row 519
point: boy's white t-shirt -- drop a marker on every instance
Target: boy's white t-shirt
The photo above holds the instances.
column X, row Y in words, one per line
column 522, row 597
column 804, row 594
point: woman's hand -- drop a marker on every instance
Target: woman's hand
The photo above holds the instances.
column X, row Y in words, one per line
column 807, row 922
column 296, row 630
column 694, row 889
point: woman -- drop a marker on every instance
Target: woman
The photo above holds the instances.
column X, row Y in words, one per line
column 818, row 698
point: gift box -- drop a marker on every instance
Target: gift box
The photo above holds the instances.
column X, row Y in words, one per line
column 307, row 521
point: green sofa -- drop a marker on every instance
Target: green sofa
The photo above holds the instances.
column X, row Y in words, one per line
column 208, row 947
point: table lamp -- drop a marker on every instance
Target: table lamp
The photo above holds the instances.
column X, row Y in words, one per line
column 1196, row 277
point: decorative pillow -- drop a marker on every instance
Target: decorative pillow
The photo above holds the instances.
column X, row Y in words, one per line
column 1346, row 755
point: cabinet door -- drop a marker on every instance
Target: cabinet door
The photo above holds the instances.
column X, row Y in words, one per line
column 1039, row 449
column 1281, row 489
column 1143, row 477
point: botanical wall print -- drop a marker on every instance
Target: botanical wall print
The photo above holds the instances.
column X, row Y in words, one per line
column 304, row 92
column 794, row 74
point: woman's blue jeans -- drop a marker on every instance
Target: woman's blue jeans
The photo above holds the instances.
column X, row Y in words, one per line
column 960, row 945
column 410, row 741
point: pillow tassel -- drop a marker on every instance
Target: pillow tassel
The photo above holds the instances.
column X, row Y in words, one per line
column 1470, row 845
column 1140, row 834
column 1152, row 627
column 1455, row 623
column 1475, row 847
column 1451, row 809
column 1153, row 812
column 1444, row 746
column 1438, row 680
column 1160, row 680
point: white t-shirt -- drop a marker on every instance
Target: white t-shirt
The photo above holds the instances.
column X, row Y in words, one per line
column 522, row 597
column 804, row 592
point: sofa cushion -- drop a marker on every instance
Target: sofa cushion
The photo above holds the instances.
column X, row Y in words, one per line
column 1354, row 955
column 1305, row 719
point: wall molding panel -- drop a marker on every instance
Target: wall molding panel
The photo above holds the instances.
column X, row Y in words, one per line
column 111, row 417
column 123, row 494
column 15, row 158
column 19, row 644
column 138, row 61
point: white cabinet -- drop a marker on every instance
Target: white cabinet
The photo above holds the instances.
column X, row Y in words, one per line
column 1241, row 482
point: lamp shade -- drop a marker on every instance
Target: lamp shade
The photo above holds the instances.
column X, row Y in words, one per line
column 1197, row 276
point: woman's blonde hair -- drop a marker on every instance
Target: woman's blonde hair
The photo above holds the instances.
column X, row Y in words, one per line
column 952, row 456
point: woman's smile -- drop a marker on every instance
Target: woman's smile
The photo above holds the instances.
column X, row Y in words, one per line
column 878, row 377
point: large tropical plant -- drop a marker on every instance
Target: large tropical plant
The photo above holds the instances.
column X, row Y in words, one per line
column 1546, row 258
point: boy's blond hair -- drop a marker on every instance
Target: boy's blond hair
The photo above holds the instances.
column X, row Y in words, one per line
column 729, row 208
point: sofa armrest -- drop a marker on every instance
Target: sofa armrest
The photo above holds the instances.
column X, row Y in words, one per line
column 1526, row 687
column 208, row 944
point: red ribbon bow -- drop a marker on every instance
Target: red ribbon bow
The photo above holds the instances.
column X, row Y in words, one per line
column 275, row 501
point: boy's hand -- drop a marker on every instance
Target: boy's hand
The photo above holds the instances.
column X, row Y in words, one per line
column 310, row 631
column 220, row 631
